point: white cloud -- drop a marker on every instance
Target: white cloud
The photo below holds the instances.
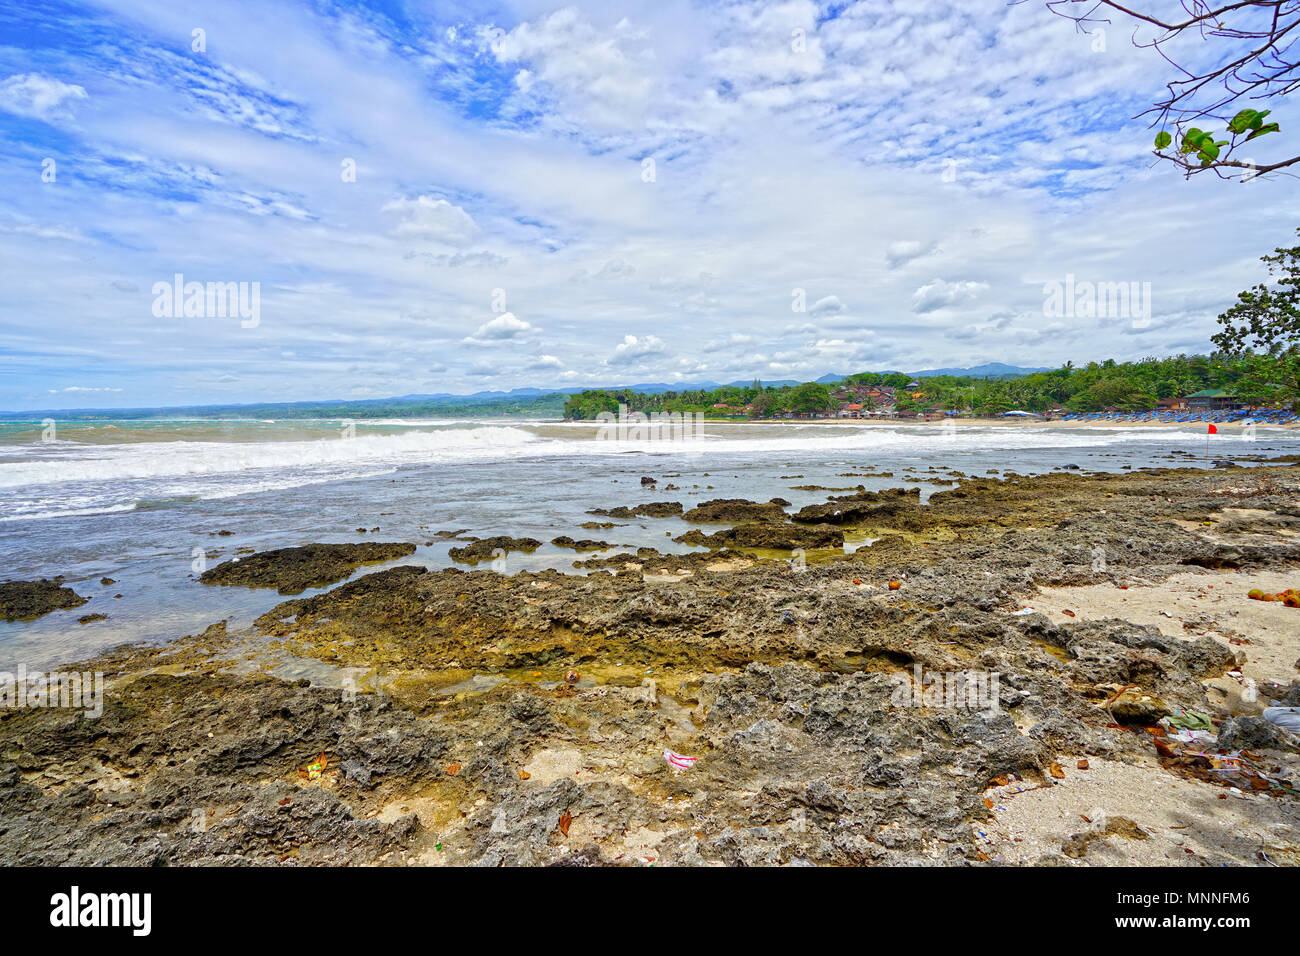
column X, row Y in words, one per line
column 544, row 362
column 827, row 305
column 428, row 218
column 941, row 294
column 520, row 168
column 36, row 95
column 616, row 269
column 636, row 348
column 602, row 74
column 902, row 252
column 505, row 326
column 731, row 341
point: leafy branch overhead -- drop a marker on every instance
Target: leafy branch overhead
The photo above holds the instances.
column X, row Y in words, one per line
column 1222, row 53
column 1247, row 123
column 1267, row 316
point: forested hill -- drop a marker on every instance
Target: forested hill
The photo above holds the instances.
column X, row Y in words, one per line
column 1122, row 386
column 540, row 406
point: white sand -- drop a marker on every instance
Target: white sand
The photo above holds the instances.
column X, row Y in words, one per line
column 1179, row 815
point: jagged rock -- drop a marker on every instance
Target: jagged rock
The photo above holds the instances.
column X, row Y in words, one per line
column 293, row 570
column 737, row 509
column 767, row 535
column 584, row 544
column 24, row 600
column 1253, row 732
column 484, row 549
column 651, row 509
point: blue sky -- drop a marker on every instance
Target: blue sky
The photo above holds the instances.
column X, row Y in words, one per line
column 918, row 173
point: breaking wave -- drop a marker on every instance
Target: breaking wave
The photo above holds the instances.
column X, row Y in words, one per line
column 72, row 479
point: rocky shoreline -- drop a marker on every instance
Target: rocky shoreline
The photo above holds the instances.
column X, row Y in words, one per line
column 469, row 717
column 24, row 600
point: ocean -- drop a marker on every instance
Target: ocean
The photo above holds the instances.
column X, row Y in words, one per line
column 148, row 503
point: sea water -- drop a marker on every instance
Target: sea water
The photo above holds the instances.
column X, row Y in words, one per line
column 145, row 502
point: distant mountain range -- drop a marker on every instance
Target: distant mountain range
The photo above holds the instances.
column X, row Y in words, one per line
column 516, row 400
column 988, row 370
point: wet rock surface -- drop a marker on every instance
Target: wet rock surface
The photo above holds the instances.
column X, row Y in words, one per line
column 293, row 570
column 886, row 505
column 652, row 509
column 581, row 544
column 218, row 786
column 738, row 510
column 24, row 600
column 471, row 717
column 484, row 549
column 769, row 535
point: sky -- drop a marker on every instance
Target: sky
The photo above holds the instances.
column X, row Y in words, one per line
column 457, row 197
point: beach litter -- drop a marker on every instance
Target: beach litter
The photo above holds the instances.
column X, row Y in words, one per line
column 1201, row 738
column 315, row 769
column 1290, row 597
column 1181, row 719
column 679, row 761
column 1190, row 727
column 1288, row 718
column 1238, row 770
column 1022, row 612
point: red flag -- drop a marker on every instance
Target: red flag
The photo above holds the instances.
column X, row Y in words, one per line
column 1213, row 430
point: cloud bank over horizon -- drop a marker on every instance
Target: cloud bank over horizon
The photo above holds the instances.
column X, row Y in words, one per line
column 456, row 197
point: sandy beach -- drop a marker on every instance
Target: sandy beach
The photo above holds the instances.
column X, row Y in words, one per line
column 1009, row 423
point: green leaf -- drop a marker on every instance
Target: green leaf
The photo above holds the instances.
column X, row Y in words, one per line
column 1209, row 151
column 1163, row 139
column 1270, row 128
column 1192, row 140
column 1243, row 121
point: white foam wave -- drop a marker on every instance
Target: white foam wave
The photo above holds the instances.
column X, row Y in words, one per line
column 67, row 513
column 55, row 463
column 51, row 480
column 50, row 464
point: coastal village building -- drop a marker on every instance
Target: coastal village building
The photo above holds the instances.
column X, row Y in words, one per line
column 879, row 402
column 1213, row 399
